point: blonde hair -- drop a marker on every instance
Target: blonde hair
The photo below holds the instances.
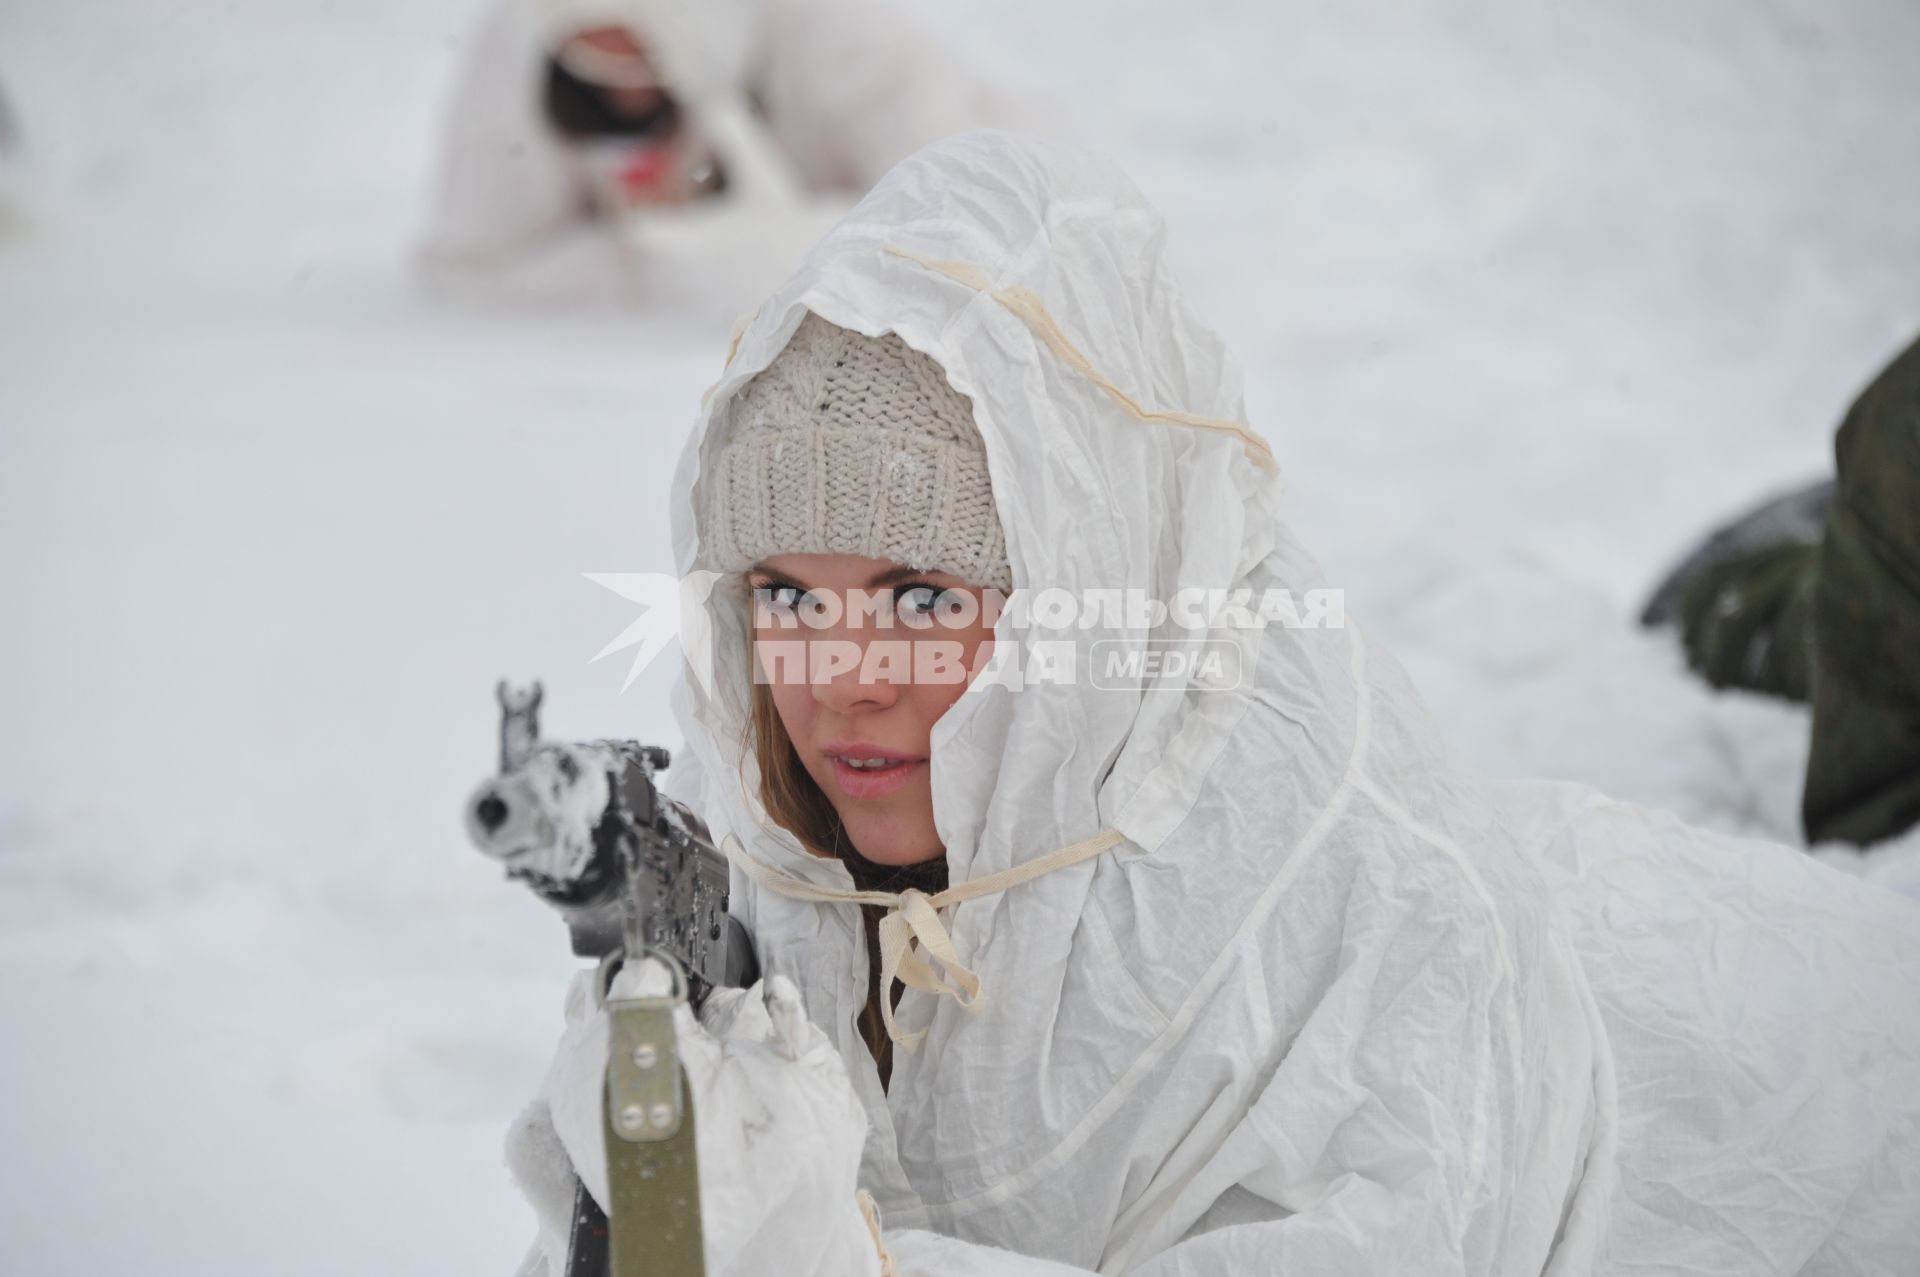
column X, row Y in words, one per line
column 796, row 803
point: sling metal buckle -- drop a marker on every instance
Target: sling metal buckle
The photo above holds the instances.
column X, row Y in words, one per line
column 645, row 1097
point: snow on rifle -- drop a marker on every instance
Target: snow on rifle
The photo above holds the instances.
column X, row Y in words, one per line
column 584, row 827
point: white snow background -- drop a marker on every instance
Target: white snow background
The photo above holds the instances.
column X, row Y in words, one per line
column 1528, row 296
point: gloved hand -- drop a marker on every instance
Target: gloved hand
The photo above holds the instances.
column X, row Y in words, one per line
column 777, row 1126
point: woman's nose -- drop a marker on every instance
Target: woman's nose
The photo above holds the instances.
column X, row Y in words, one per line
column 853, row 671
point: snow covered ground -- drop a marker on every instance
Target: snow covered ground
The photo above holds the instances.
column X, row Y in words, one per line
column 1527, row 295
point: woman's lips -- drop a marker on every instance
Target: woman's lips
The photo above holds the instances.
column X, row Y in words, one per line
column 873, row 782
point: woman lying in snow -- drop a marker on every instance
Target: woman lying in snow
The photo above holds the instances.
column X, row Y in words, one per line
column 1235, row 971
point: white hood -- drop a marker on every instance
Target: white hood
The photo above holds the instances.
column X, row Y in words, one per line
column 1320, row 1006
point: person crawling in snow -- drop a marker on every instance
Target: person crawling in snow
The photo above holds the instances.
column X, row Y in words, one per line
column 1179, row 971
column 591, row 143
column 1814, row 597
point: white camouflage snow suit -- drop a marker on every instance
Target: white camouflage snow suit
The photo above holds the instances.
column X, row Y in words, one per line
column 1333, row 1004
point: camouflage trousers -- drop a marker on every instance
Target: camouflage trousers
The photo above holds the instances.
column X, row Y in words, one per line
column 1837, row 624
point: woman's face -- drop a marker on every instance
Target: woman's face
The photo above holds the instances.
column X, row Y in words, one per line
column 862, row 657
column 621, row 64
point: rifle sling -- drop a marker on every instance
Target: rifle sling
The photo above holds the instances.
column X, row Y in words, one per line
column 653, row 1177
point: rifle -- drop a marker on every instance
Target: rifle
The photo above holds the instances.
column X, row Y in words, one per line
column 633, row 873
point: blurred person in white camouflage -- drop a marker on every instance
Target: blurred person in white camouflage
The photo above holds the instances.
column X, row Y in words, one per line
column 587, row 140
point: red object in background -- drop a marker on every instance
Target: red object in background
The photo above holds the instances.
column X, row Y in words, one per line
column 629, row 173
column 647, row 170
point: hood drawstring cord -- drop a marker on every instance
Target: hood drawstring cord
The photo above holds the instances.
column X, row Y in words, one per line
column 1033, row 312
column 912, row 930
column 870, row 1211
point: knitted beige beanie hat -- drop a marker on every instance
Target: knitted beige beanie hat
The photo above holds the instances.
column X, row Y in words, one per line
column 847, row 444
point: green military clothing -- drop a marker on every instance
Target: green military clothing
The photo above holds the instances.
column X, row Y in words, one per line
column 1837, row 623
column 1863, row 775
column 1748, row 622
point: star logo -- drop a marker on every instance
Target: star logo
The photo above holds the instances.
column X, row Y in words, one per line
column 671, row 608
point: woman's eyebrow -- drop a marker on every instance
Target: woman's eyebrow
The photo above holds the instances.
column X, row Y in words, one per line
column 898, row 572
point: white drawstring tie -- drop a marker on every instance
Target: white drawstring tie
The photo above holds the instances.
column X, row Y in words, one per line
column 1033, row 312
column 911, row 932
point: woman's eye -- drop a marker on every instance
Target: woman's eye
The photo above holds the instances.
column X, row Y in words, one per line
column 917, row 601
column 780, row 598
